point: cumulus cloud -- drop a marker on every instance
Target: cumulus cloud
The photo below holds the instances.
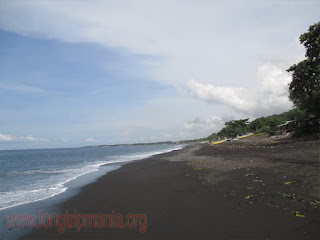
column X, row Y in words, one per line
column 6, row 138
column 234, row 97
column 90, row 140
column 10, row 138
column 201, row 126
column 201, row 121
column 274, row 90
column 269, row 96
column 29, row 138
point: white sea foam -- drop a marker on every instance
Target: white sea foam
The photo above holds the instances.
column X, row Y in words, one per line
column 37, row 191
column 133, row 157
column 40, row 171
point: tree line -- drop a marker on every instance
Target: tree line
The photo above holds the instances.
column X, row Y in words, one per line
column 269, row 124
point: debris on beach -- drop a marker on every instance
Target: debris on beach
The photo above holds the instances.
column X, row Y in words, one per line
column 287, row 183
column 249, row 174
column 286, row 195
column 299, row 215
column 188, row 175
column 314, row 203
column 249, row 196
column 201, row 162
column 189, row 163
column 197, row 168
column 261, row 172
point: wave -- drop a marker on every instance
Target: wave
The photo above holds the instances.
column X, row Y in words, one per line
column 43, row 188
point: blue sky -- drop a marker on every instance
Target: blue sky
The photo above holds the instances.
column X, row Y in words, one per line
column 76, row 73
column 51, row 86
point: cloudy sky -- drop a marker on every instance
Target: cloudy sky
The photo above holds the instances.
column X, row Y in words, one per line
column 76, row 73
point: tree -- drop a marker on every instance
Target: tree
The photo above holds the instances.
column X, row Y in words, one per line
column 256, row 124
column 305, row 85
column 213, row 137
column 234, row 128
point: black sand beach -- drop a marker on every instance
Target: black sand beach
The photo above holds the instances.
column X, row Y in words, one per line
column 254, row 188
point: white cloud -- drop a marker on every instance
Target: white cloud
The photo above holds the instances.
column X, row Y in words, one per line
column 185, row 135
column 274, row 89
column 234, row 97
column 6, row 138
column 10, row 138
column 201, row 126
column 29, row 138
column 201, row 121
column 90, row 140
column 189, row 38
column 269, row 96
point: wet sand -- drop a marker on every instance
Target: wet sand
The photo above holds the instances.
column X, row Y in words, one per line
column 246, row 189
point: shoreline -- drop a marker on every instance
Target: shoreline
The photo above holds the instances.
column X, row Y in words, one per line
column 113, row 164
column 200, row 192
column 51, row 204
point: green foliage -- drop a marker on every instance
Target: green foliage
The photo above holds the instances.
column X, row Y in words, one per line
column 266, row 124
column 213, row 137
column 262, row 125
column 305, row 85
column 265, row 129
column 306, row 123
column 311, row 103
column 294, row 114
column 234, row 128
column 311, row 41
column 256, row 124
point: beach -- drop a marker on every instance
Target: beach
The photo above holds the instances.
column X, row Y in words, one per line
column 253, row 188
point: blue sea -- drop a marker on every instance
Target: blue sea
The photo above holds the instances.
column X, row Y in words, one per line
column 28, row 176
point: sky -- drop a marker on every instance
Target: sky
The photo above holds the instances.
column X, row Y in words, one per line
column 76, row 73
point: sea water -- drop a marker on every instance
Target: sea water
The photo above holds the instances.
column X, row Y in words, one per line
column 28, row 176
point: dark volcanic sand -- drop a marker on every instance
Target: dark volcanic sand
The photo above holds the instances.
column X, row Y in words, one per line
column 200, row 193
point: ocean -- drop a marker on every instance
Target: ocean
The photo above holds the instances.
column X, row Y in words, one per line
column 28, row 176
